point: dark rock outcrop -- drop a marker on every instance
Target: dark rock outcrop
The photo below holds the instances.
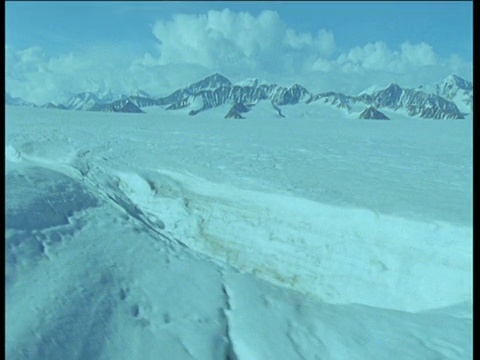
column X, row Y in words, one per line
column 373, row 114
column 216, row 90
column 236, row 111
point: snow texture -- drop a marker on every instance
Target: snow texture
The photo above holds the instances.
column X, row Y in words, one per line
column 309, row 236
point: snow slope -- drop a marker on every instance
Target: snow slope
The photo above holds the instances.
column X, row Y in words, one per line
column 169, row 236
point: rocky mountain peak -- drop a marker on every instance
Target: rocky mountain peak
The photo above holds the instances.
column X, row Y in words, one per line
column 216, row 90
column 392, row 88
column 453, row 80
column 215, row 80
column 373, row 114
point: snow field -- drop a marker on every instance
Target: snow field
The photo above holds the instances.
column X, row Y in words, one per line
column 127, row 244
column 313, row 248
column 109, row 281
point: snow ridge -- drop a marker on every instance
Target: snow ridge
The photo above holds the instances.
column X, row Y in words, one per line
column 93, row 215
column 216, row 90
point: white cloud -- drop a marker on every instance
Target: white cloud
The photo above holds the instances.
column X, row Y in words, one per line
column 458, row 66
column 418, row 55
column 239, row 45
column 375, row 63
column 323, row 43
column 239, row 42
column 19, row 63
column 322, row 65
column 378, row 57
column 35, row 76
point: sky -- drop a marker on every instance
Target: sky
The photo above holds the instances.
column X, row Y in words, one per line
column 55, row 48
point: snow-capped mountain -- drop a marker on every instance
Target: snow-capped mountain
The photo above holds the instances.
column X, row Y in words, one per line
column 370, row 90
column 394, row 97
column 210, row 83
column 449, row 99
column 458, row 90
column 373, row 114
column 415, row 102
column 140, row 93
column 253, row 82
column 110, row 102
column 389, row 97
column 291, row 96
column 108, row 96
column 83, row 101
column 52, row 105
column 338, row 100
column 16, row 101
column 122, row 105
column 243, row 94
column 450, row 86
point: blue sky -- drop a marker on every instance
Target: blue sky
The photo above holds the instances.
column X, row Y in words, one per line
column 326, row 44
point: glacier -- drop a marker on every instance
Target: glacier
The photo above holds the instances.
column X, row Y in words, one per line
column 310, row 236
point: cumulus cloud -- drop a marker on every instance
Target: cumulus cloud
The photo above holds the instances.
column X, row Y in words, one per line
column 459, row 66
column 418, row 55
column 323, row 43
column 239, row 45
column 38, row 77
column 231, row 42
column 19, row 63
column 375, row 63
column 322, row 65
column 378, row 57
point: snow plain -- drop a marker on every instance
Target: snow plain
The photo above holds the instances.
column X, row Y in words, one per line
column 166, row 236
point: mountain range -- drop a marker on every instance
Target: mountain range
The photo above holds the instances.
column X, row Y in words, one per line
column 16, row 101
column 449, row 99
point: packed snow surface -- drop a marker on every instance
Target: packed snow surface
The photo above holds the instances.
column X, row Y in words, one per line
column 168, row 236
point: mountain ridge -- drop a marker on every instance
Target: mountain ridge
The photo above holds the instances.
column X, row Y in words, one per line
column 439, row 102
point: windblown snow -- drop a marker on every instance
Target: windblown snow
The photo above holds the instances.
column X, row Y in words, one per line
column 166, row 236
